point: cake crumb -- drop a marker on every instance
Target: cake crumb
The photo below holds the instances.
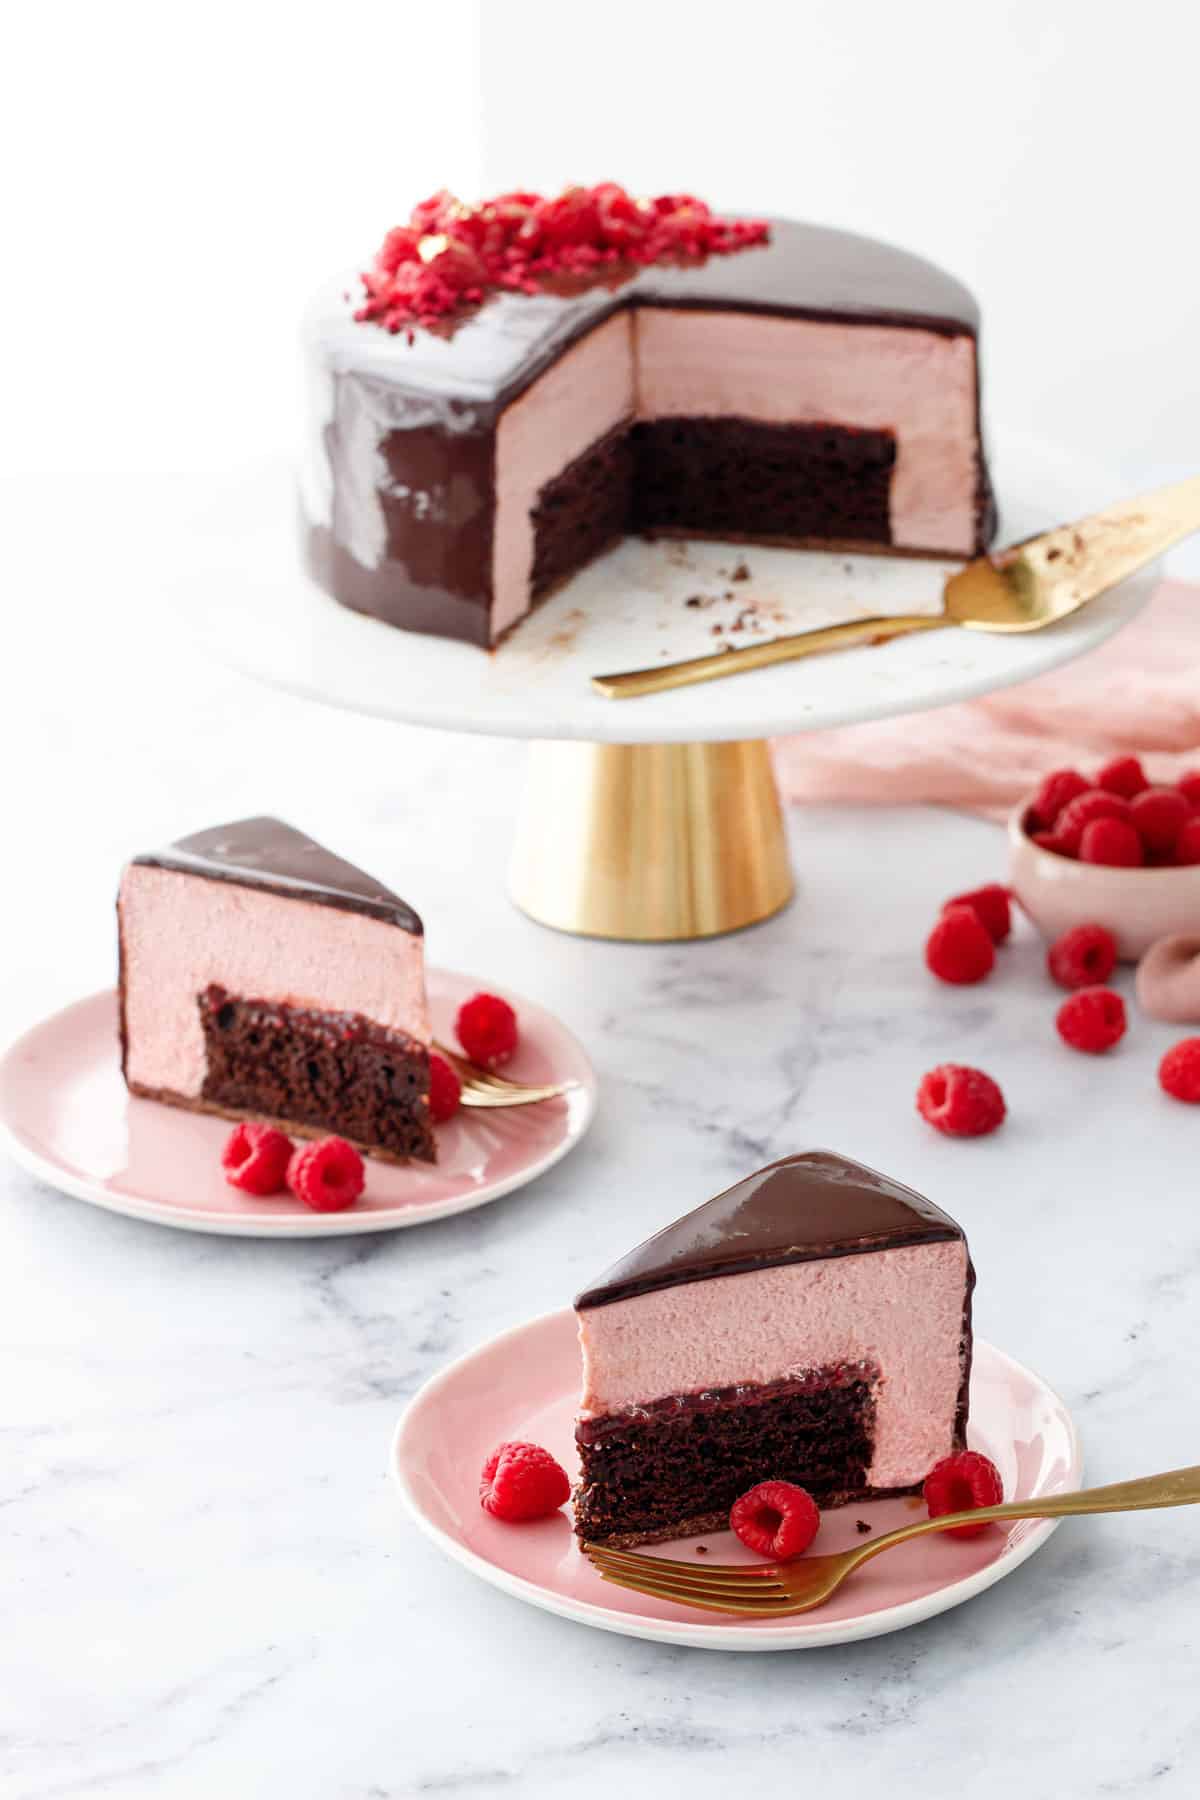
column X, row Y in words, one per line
column 718, row 630
column 701, row 1549
column 861, row 1526
column 741, row 573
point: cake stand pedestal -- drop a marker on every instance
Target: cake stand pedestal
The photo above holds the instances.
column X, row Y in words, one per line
column 650, row 841
column 654, row 818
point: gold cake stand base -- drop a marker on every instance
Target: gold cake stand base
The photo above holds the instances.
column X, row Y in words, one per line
column 650, row 842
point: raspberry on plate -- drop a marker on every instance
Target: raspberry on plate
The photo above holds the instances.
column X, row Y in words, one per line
column 1058, row 789
column 486, row 1027
column 445, row 1089
column 1092, row 1020
column 1095, row 804
column 776, row 1519
column 1085, row 956
column 991, row 907
column 522, row 1481
column 1187, row 845
column 327, row 1175
column 1113, row 842
column 961, row 1483
column 1158, row 815
column 1124, row 775
column 960, row 948
column 255, row 1159
column 1179, row 1071
column 960, row 1101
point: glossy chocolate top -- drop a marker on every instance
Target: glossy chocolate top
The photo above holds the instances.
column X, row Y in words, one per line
column 801, row 1209
column 491, row 354
column 266, row 853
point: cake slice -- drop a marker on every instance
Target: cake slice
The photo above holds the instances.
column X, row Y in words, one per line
column 811, row 1324
column 263, row 977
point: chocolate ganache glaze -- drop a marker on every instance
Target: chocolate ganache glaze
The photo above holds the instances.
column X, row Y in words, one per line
column 800, row 1209
column 266, row 853
column 400, row 480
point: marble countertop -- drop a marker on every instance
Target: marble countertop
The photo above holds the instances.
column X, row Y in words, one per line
column 209, row 1588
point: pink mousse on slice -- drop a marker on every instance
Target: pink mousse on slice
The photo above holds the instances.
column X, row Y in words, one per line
column 262, row 976
column 812, row 1324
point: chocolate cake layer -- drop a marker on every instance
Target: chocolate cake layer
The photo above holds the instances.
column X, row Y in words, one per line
column 675, row 1468
column 335, row 1072
column 738, row 478
column 583, row 511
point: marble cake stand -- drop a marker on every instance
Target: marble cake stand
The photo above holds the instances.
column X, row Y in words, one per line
column 655, row 818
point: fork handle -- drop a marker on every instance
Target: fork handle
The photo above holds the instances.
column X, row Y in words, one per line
column 877, row 630
column 1178, row 1487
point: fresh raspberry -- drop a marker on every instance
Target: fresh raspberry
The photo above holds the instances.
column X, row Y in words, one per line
column 990, row 906
column 327, row 1175
column 960, row 948
column 1083, row 957
column 1050, row 840
column 1058, row 789
column 1189, row 787
column 445, row 1089
column 1187, row 845
column 1124, row 775
column 960, row 1483
column 1179, row 1071
column 1078, row 813
column 487, row 1030
column 255, row 1159
column 1158, row 815
column 522, row 1481
column 777, row 1519
column 960, row 1101
column 1092, row 1020
column 1113, row 843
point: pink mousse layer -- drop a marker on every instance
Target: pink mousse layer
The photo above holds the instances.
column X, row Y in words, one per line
column 578, row 400
column 901, row 1309
column 181, row 932
column 661, row 362
column 919, row 384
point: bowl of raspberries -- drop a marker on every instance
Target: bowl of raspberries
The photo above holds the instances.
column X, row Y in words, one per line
column 1114, row 848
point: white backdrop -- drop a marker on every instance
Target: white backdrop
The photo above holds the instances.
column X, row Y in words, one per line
column 183, row 178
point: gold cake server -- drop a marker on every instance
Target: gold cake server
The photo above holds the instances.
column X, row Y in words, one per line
column 1024, row 588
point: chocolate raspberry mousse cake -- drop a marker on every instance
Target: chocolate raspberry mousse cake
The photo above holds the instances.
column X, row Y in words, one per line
column 263, row 977
column 811, row 1324
column 514, row 386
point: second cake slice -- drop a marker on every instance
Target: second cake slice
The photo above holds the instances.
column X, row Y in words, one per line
column 263, row 977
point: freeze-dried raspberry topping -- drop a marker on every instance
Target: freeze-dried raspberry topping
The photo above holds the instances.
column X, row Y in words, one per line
column 450, row 256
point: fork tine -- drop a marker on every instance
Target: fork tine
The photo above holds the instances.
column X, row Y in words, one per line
column 723, row 1575
column 691, row 1583
column 760, row 1609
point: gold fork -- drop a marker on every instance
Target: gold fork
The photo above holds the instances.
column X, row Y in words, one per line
column 775, row 1590
column 480, row 1087
column 1024, row 588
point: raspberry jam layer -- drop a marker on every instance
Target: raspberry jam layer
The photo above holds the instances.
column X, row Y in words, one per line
column 675, row 1468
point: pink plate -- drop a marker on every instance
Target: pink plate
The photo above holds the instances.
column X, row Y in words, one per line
column 525, row 1383
column 67, row 1118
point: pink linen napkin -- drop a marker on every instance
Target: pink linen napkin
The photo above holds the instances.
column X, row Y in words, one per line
column 1138, row 693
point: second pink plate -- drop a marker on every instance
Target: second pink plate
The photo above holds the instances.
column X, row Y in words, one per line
column 525, row 1384
column 65, row 1116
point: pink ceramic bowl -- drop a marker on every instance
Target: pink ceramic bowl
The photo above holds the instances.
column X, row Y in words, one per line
column 1139, row 906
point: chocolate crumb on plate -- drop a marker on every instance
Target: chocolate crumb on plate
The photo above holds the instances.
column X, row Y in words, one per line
column 861, row 1526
